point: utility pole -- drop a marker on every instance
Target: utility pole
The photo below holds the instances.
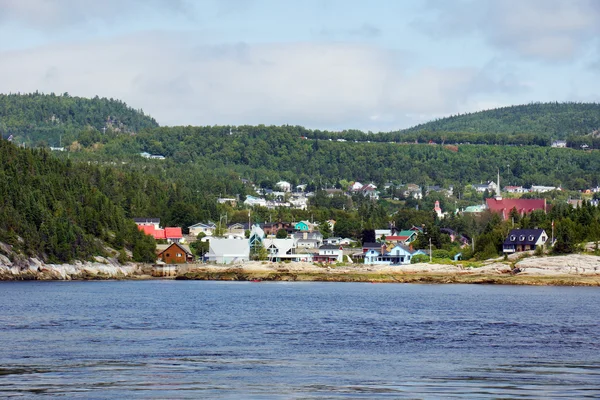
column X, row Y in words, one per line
column 430, row 252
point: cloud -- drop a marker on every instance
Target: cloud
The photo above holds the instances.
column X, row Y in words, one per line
column 60, row 14
column 548, row 30
column 178, row 79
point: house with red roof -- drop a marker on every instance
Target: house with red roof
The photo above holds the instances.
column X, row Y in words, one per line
column 523, row 206
column 170, row 234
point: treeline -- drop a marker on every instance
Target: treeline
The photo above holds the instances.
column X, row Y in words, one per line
column 265, row 155
column 41, row 119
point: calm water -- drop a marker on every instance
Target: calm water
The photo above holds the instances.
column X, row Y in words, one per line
column 172, row 339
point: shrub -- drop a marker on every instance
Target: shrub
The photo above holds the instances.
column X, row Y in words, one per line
column 419, row 258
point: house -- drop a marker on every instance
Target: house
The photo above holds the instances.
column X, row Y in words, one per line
column 380, row 233
column 284, row 186
column 148, row 221
column 333, row 241
column 170, row 234
column 303, row 226
column 347, row 242
column 252, row 201
column 523, row 206
column 227, row 200
column 515, row 189
column 308, row 240
column 559, row 144
column 398, row 255
column 238, row 230
column 273, row 228
column 542, row 189
column 173, row 235
column 524, row 240
column 281, row 249
column 228, row 251
column 370, row 191
column 404, row 237
column 208, row 229
column 329, row 253
column 174, row 253
column 356, row 186
column 372, row 246
column 491, row 186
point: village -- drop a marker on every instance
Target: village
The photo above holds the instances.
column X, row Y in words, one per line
column 286, row 242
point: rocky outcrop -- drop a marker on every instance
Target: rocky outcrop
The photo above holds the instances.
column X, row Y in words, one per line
column 572, row 264
column 34, row 269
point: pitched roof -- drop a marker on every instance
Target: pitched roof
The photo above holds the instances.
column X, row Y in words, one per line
column 146, row 220
column 173, row 233
column 524, row 236
column 372, row 245
column 329, row 247
column 160, row 248
column 504, row 206
column 228, row 247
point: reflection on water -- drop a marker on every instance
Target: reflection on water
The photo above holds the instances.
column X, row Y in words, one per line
column 163, row 339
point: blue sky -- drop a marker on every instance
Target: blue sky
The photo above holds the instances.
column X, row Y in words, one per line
column 374, row 65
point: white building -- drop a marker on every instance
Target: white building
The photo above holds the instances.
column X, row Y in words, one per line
column 284, row 186
column 228, row 251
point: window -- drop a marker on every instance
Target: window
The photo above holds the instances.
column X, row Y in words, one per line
column 531, row 238
column 179, row 254
column 513, row 238
column 522, row 238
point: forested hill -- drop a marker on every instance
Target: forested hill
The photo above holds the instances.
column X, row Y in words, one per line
column 39, row 119
column 59, row 211
column 556, row 120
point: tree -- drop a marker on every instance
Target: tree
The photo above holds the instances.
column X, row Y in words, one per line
column 281, row 234
column 325, row 229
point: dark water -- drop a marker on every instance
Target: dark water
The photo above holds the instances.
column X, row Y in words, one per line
column 171, row 339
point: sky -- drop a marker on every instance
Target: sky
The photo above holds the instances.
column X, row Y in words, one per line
column 374, row 65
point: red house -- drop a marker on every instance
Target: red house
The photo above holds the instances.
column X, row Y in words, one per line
column 171, row 235
column 523, row 206
column 174, row 254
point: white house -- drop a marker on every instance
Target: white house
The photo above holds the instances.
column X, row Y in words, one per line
column 356, row 186
column 380, row 233
column 284, row 186
column 228, row 251
column 255, row 201
column 208, row 229
column 542, row 189
column 281, row 249
column 329, row 253
column 491, row 186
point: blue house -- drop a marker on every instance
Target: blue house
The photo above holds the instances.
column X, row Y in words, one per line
column 302, row 226
column 398, row 255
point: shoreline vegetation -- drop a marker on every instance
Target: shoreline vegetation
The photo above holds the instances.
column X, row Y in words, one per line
column 571, row 270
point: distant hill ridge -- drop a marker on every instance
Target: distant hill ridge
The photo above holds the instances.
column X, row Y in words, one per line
column 558, row 120
column 35, row 116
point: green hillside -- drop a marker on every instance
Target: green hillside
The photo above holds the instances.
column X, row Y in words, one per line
column 44, row 119
column 556, row 120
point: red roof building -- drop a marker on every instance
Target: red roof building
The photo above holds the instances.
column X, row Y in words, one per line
column 523, row 206
column 171, row 235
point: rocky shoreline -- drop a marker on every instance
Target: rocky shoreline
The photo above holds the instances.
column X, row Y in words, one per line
column 571, row 270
